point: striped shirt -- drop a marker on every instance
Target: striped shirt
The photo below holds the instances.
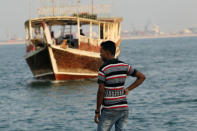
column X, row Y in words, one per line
column 113, row 74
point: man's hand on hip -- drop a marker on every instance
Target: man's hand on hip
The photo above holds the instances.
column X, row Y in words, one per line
column 126, row 91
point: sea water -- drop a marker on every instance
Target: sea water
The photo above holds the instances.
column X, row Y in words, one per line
column 167, row 100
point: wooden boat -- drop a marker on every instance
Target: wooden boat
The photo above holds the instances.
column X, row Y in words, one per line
column 71, row 55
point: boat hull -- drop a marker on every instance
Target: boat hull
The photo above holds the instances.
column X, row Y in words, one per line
column 59, row 64
column 40, row 64
column 62, row 77
column 76, row 62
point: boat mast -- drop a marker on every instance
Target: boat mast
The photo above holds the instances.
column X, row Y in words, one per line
column 30, row 3
column 78, row 22
column 53, row 7
column 30, row 26
column 78, row 2
column 92, row 6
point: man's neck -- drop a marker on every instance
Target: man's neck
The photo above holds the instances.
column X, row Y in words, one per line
column 111, row 58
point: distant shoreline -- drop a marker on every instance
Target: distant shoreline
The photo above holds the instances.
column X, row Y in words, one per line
column 123, row 38
column 157, row 37
column 12, row 42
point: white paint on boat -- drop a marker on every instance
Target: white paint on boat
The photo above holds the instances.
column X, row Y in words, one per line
column 67, row 73
column 44, row 74
column 80, row 52
column 47, row 34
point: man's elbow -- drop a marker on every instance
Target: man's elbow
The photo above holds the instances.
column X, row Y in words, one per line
column 142, row 77
column 101, row 91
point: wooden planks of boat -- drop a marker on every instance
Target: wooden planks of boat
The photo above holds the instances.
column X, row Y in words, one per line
column 73, row 58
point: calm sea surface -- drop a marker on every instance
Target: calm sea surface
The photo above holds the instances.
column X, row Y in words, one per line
column 167, row 101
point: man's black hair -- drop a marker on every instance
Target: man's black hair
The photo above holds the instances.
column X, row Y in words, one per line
column 109, row 46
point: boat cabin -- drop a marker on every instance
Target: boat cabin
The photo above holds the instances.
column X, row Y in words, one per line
column 74, row 32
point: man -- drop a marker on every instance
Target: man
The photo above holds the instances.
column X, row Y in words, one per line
column 111, row 92
column 53, row 38
column 81, row 32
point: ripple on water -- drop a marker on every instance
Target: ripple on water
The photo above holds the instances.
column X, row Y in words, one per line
column 165, row 102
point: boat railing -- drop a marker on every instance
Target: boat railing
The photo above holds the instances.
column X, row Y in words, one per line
column 91, row 41
column 84, row 39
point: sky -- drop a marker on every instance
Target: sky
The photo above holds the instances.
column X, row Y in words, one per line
column 170, row 15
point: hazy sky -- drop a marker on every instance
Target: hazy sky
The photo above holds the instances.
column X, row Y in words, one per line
column 170, row 15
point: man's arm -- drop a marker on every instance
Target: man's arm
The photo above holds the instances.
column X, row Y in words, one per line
column 100, row 96
column 140, row 78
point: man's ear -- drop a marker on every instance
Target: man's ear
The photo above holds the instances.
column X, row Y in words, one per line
column 108, row 53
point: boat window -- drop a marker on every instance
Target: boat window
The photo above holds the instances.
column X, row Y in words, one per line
column 106, row 31
column 86, row 30
column 37, row 37
column 95, row 31
column 66, row 33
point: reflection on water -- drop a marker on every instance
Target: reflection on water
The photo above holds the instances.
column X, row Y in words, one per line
column 65, row 87
column 34, row 83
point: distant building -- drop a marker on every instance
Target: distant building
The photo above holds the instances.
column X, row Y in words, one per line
column 155, row 29
column 193, row 30
column 187, row 31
